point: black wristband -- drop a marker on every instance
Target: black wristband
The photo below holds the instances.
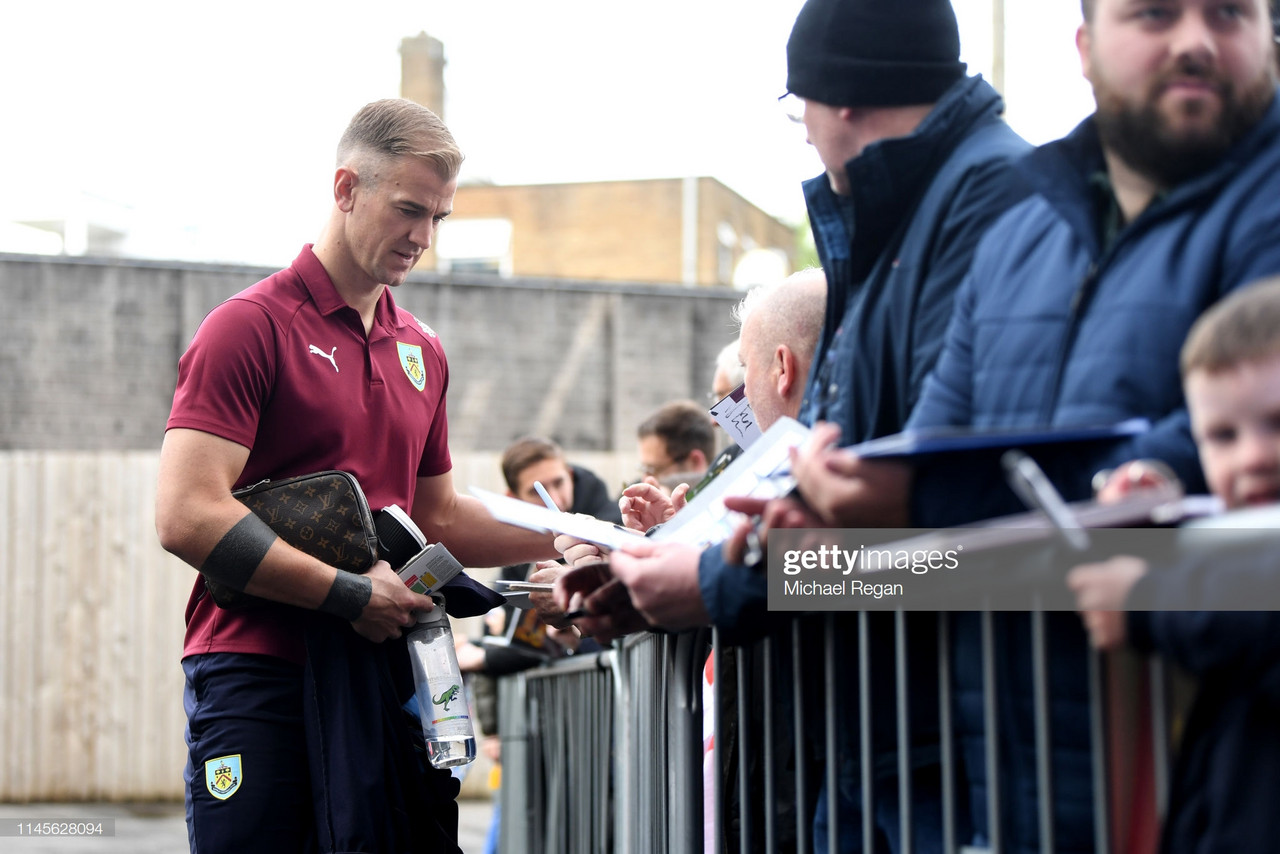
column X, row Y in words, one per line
column 236, row 556
column 348, row 596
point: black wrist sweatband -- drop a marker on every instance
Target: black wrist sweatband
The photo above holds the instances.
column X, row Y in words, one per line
column 348, row 596
column 236, row 556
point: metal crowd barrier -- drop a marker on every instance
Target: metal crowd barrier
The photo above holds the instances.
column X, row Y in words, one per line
column 603, row 752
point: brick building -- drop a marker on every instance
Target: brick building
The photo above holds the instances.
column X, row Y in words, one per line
column 691, row 230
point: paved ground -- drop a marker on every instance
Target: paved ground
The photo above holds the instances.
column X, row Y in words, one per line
column 161, row 828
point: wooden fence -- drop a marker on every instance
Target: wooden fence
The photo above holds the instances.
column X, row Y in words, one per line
column 91, row 625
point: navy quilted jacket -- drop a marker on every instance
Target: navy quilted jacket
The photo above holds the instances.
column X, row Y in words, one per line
column 1051, row 329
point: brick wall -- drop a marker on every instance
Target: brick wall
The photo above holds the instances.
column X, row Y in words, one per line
column 619, row 230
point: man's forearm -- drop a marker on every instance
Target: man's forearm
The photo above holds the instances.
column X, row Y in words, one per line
column 236, row 557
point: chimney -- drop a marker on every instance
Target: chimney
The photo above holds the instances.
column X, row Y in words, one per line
column 422, row 72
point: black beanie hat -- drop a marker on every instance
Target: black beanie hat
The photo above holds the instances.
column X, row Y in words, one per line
column 874, row 53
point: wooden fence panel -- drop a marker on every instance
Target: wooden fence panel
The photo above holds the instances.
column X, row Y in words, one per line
column 90, row 685
column 91, row 624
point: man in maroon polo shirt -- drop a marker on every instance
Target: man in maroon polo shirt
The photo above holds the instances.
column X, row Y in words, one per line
column 315, row 368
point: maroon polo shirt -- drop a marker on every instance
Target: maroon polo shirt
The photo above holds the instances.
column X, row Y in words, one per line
column 285, row 369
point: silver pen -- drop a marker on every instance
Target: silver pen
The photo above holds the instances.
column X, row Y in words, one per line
column 1028, row 480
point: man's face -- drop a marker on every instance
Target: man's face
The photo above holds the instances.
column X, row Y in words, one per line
column 393, row 210
column 760, row 384
column 555, row 477
column 654, row 459
column 836, row 134
column 1235, row 419
column 1177, row 81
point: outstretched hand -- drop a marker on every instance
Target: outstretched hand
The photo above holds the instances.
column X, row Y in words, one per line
column 763, row 515
column 1102, row 589
column 645, row 504
column 594, row 589
column 847, row 491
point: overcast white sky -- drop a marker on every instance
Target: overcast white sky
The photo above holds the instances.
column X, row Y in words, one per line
column 216, row 123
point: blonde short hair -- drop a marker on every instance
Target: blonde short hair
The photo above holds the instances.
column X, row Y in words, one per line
column 395, row 127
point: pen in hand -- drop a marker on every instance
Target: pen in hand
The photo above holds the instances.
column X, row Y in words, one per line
column 1029, row 482
column 545, row 496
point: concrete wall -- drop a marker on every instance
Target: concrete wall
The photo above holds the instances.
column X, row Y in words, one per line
column 91, row 607
column 89, row 350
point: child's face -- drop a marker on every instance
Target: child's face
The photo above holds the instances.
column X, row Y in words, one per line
column 1235, row 419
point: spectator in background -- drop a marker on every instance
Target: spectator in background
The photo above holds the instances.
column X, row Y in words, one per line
column 728, row 373
column 574, row 489
column 778, row 327
column 676, row 444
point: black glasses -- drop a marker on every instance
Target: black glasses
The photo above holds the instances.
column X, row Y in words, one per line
column 792, row 106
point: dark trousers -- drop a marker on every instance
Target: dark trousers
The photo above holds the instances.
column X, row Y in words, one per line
column 248, row 786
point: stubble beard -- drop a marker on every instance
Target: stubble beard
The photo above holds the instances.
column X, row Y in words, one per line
column 1150, row 141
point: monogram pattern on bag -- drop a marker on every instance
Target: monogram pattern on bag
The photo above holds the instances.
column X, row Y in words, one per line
column 321, row 515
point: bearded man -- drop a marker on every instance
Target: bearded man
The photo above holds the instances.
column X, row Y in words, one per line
column 1073, row 312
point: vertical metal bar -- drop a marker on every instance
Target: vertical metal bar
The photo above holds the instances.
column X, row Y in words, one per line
column 946, row 744
column 580, row 751
column 1098, row 751
column 1043, row 730
column 744, row 753
column 770, row 787
column 604, row 763
column 804, row 821
column 684, row 740
column 991, row 732
column 904, row 730
column 717, row 758
column 865, row 760
column 623, row 755
column 655, row 719
column 1158, row 676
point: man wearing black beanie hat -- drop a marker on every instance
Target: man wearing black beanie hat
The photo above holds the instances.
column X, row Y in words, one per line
column 917, row 163
column 874, row 54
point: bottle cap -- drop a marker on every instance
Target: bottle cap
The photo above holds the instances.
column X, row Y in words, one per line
column 436, row 614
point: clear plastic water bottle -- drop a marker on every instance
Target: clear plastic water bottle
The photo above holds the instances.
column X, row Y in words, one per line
column 442, row 699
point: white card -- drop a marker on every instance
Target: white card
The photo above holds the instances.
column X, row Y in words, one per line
column 733, row 413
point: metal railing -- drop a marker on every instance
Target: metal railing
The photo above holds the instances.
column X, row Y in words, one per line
column 603, row 753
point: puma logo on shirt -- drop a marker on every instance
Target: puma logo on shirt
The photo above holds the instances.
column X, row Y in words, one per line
column 330, row 355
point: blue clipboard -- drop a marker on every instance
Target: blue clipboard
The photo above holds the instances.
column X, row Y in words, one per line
column 944, row 440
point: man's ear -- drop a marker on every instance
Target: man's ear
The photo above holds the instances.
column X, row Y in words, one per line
column 1084, row 46
column 787, row 367
column 697, row 460
column 344, row 188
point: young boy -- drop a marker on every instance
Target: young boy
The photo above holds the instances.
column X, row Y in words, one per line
column 1226, row 785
